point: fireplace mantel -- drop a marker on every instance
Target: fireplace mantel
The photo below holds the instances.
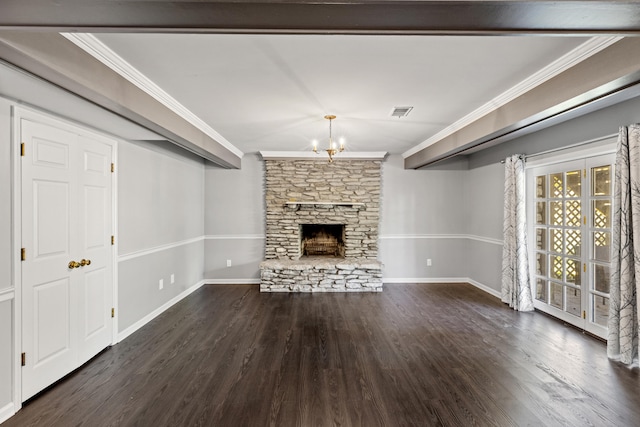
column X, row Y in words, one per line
column 318, row 204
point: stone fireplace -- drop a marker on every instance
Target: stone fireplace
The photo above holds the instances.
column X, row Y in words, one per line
column 322, row 240
column 321, row 226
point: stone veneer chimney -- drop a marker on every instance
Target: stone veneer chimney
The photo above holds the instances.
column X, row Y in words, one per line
column 318, row 192
column 345, row 192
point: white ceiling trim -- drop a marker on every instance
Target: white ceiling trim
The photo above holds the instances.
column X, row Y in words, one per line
column 94, row 47
column 577, row 55
column 303, row 155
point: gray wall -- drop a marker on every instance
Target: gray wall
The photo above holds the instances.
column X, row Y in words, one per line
column 484, row 197
column 160, row 214
column 6, row 353
column 234, row 222
column 160, row 196
column 5, row 195
column 484, row 180
column 178, row 216
column 585, row 128
column 160, row 226
column 449, row 213
column 422, row 215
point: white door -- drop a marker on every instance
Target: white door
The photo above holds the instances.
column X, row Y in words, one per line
column 66, row 218
column 570, row 228
column 95, row 290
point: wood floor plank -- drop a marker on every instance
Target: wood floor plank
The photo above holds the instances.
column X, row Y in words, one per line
column 413, row 355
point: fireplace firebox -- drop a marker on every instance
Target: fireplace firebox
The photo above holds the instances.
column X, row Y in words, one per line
column 322, row 240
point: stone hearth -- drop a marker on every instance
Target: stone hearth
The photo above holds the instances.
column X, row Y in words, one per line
column 321, row 274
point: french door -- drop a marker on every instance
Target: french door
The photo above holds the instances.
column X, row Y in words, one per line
column 67, row 274
column 569, row 217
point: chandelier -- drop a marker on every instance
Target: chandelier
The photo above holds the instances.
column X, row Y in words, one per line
column 333, row 147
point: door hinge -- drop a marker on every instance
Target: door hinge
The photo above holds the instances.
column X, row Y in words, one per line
column 22, row 148
column 584, row 267
column 23, row 359
column 23, row 254
column 113, row 312
column 584, row 314
column 113, row 167
column 585, row 220
column 585, row 173
column 113, row 240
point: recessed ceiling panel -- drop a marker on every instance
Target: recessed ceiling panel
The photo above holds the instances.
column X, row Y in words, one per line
column 271, row 92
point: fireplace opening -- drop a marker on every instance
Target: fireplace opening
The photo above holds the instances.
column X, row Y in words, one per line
column 322, row 240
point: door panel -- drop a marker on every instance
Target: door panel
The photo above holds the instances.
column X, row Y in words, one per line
column 95, row 216
column 51, row 218
column 49, row 336
column 94, row 296
column 49, row 153
column 52, row 325
column 96, row 212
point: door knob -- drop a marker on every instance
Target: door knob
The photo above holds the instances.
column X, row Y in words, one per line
column 84, row 262
column 73, row 264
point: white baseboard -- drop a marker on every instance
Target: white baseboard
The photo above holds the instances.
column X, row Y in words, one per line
column 149, row 317
column 6, row 412
column 252, row 281
column 443, row 280
column 425, row 280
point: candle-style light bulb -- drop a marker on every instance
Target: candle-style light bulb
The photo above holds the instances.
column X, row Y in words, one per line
column 341, row 144
column 315, row 145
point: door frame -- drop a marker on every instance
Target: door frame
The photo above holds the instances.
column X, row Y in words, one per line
column 19, row 112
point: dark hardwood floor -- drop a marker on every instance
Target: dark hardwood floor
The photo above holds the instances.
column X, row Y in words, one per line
column 413, row 355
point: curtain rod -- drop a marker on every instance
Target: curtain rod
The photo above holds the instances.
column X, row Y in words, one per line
column 568, row 147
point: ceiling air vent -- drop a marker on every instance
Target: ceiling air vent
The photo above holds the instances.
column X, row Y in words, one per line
column 401, row 111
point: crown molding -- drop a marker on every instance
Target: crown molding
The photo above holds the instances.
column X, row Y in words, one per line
column 577, row 55
column 94, row 47
column 310, row 155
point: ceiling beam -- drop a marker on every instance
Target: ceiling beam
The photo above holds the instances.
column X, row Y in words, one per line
column 55, row 59
column 609, row 71
column 322, row 16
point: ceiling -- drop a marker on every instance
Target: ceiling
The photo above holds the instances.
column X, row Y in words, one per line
column 270, row 92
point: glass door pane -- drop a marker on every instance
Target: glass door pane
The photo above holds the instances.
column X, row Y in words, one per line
column 600, row 201
column 560, row 284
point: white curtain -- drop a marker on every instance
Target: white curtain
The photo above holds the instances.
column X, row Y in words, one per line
column 622, row 338
column 516, row 290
